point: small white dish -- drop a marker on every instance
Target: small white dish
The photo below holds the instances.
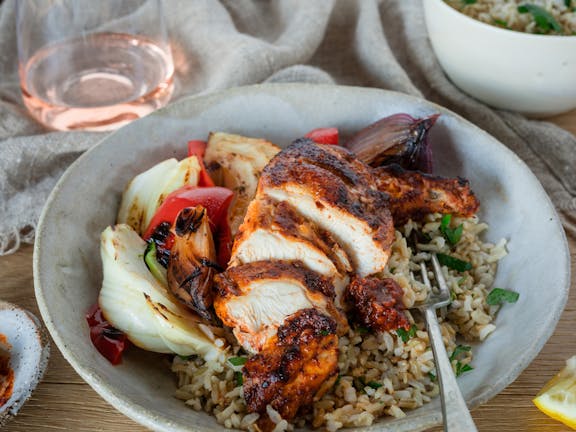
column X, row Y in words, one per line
column 68, row 271
column 529, row 73
column 29, row 353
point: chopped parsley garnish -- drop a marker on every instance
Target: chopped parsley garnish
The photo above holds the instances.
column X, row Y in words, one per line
column 458, row 350
column 181, row 357
column 337, row 380
column 362, row 330
column 375, row 385
column 238, row 378
column 469, row 2
column 432, row 376
column 544, row 19
column 237, row 361
column 500, row 295
column 461, row 368
column 453, row 263
column 324, row 332
column 405, row 335
column 453, row 235
column 500, row 22
column 568, row 3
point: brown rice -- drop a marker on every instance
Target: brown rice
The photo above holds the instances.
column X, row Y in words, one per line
column 380, row 374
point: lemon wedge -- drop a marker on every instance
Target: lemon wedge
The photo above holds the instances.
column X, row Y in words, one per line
column 558, row 398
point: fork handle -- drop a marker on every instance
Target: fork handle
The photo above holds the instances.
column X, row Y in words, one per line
column 457, row 417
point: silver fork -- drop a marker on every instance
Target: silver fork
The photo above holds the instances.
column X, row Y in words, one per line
column 456, row 415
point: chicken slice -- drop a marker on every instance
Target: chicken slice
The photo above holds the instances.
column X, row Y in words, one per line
column 414, row 194
column 255, row 299
column 336, row 192
column 192, row 263
column 274, row 231
column 294, row 369
column 377, row 303
column 237, row 162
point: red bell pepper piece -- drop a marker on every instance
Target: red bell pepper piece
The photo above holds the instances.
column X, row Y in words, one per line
column 323, row 136
column 109, row 341
column 214, row 199
column 198, row 148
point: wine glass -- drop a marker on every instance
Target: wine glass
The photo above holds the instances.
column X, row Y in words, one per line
column 93, row 65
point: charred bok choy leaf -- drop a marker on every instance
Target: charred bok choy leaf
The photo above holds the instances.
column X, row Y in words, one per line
column 136, row 303
column 399, row 138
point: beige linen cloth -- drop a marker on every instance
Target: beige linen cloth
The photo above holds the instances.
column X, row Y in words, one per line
column 221, row 44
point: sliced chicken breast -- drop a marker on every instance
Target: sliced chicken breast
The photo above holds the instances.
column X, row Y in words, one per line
column 336, row 192
column 256, row 298
column 274, row 231
column 294, row 369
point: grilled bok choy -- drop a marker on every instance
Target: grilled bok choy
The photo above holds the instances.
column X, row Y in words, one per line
column 135, row 302
column 147, row 190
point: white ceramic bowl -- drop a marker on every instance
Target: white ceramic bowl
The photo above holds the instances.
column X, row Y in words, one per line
column 67, row 268
column 29, row 353
column 529, row 73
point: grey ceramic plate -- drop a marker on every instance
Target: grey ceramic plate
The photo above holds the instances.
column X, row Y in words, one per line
column 67, row 270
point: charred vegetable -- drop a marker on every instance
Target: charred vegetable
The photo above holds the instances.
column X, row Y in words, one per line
column 192, row 263
column 400, row 139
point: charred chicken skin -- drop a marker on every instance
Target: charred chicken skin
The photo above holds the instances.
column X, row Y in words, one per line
column 413, row 194
column 295, row 368
column 377, row 303
column 328, row 186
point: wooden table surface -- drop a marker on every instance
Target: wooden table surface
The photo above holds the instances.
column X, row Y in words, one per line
column 64, row 402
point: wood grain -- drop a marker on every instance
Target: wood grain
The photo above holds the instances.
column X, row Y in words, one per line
column 64, row 402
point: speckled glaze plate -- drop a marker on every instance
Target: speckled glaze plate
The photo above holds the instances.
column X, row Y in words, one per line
column 29, row 353
column 67, row 269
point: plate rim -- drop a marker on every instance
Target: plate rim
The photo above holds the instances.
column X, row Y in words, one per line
column 139, row 413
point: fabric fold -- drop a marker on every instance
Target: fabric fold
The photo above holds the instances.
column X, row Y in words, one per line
column 222, row 44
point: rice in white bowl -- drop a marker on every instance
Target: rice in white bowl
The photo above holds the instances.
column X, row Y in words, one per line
column 505, row 14
column 381, row 374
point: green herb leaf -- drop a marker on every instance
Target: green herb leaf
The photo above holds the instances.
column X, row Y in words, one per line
column 462, row 280
column 568, row 3
column 458, row 350
column 453, row 235
column 405, row 335
column 452, row 295
column 500, row 22
column 461, row 368
column 542, row 17
column 362, row 330
column 238, row 378
column 469, row 2
column 432, row 376
column 324, row 332
column 375, row 385
column 500, row 295
column 184, row 357
column 453, row 263
column 238, row 361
